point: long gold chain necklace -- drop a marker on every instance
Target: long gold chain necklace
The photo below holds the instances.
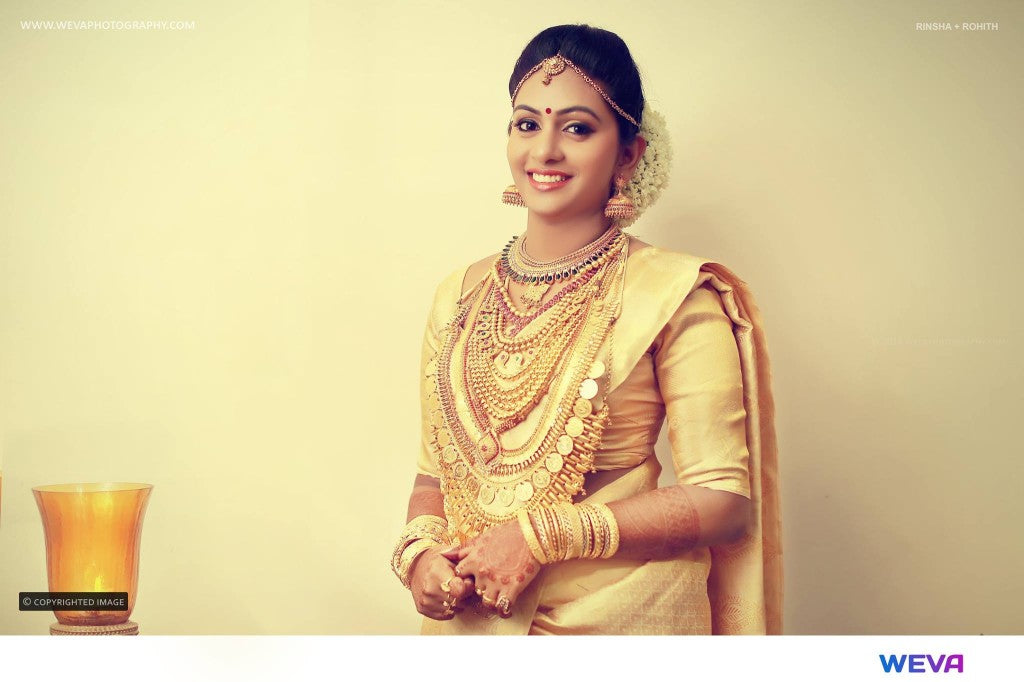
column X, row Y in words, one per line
column 506, row 375
column 481, row 488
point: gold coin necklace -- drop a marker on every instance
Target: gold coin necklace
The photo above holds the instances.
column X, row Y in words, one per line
column 505, row 376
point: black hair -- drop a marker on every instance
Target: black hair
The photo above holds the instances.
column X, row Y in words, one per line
column 602, row 54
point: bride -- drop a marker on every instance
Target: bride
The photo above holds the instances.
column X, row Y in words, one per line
column 548, row 371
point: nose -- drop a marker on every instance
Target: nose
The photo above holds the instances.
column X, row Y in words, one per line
column 547, row 147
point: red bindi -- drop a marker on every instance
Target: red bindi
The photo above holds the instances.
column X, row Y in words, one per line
column 548, row 110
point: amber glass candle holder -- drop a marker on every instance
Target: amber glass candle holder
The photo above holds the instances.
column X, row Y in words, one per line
column 93, row 532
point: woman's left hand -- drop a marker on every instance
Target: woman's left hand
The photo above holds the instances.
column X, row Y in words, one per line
column 501, row 564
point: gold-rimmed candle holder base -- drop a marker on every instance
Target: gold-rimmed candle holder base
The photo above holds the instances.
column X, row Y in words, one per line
column 127, row 628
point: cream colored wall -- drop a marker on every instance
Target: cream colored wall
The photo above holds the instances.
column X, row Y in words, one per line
column 218, row 247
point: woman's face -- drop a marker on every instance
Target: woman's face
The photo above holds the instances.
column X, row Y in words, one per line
column 563, row 148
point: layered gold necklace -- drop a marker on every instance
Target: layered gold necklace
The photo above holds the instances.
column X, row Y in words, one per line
column 500, row 366
column 539, row 276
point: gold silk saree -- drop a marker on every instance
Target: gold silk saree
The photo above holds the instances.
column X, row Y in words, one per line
column 689, row 346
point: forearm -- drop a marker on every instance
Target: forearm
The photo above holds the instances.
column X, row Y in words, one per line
column 665, row 522
column 421, row 566
column 426, row 498
column 424, row 530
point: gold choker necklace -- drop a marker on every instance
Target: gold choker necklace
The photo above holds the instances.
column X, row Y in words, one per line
column 523, row 269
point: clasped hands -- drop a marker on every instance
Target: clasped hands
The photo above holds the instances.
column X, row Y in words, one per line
column 494, row 568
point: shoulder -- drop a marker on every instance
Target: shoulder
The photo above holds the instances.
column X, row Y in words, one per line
column 459, row 281
column 637, row 245
column 659, row 279
column 475, row 272
column 646, row 258
column 661, row 284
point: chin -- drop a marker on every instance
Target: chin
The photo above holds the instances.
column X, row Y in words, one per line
column 550, row 213
column 558, row 211
column 544, row 204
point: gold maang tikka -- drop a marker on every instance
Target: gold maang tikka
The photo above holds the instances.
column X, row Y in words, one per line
column 553, row 66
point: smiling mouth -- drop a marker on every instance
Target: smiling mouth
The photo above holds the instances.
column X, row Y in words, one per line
column 548, row 177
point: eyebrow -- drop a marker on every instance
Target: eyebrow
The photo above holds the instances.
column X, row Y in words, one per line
column 567, row 110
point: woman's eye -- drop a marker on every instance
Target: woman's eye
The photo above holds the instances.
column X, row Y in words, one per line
column 578, row 129
column 526, row 125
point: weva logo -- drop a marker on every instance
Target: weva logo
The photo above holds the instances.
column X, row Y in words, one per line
column 922, row 663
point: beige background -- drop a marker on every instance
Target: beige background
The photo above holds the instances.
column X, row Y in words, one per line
column 217, row 249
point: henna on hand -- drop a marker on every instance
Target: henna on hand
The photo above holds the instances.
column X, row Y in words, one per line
column 507, row 563
column 430, row 570
column 500, row 561
column 665, row 522
column 658, row 524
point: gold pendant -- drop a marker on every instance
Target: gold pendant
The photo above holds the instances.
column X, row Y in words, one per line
column 488, row 447
column 533, row 294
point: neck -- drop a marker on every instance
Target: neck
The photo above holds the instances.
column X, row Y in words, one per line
column 548, row 240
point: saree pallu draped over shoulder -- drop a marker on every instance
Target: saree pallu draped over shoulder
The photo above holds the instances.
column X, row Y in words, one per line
column 729, row 589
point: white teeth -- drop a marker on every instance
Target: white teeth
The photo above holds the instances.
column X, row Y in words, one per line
column 548, row 178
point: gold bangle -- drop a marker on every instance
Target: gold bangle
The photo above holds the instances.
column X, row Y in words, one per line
column 564, row 533
column 531, row 536
column 540, row 522
column 573, row 530
column 590, row 528
column 404, row 543
column 600, row 527
column 613, row 522
column 420, row 534
column 600, row 532
column 612, row 545
column 577, row 523
column 409, row 556
column 587, row 526
column 421, row 526
column 554, row 534
column 557, row 534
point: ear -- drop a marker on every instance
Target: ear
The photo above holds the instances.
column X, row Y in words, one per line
column 629, row 156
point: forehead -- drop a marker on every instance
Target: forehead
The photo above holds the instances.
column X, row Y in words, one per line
column 566, row 89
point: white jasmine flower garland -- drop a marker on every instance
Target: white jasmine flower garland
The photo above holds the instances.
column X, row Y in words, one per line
column 651, row 175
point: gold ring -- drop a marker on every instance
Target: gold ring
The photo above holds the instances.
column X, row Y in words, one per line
column 504, row 605
column 446, row 586
column 486, row 600
column 458, row 571
column 479, row 591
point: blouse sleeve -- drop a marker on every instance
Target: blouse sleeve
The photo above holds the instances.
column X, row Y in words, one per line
column 445, row 303
column 697, row 366
column 426, row 463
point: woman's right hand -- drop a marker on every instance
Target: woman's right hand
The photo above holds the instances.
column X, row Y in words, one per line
column 431, row 573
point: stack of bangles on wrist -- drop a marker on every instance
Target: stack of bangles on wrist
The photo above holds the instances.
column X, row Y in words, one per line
column 570, row 531
column 419, row 535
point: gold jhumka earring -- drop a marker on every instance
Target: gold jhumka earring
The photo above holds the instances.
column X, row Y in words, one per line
column 620, row 206
column 512, row 197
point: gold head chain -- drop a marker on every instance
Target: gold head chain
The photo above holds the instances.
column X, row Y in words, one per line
column 553, row 66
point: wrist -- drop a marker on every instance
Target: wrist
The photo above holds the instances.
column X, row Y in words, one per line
column 419, row 535
column 414, row 564
column 570, row 531
column 530, row 536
